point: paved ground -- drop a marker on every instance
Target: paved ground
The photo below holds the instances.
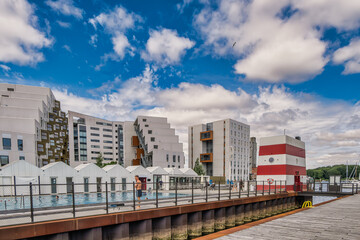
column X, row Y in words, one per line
column 335, row 220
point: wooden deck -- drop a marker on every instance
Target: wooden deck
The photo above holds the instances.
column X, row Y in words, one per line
column 339, row 219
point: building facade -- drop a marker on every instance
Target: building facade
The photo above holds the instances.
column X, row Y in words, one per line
column 90, row 136
column 253, row 158
column 222, row 147
column 155, row 144
column 32, row 126
column 282, row 158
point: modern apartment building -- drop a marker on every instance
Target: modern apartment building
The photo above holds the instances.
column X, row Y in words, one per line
column 89, row 136
column 223, row 148
column 155, row 144
column 149, row 141
column 32, row 126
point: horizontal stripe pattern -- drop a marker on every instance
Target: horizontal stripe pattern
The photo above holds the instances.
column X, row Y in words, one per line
column 283, row 169
column 282, row 139
column 285, row 179
column 281, row 149
column 281, row 159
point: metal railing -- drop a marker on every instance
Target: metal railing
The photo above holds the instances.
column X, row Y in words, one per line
column 344, row 187
column 39, row 202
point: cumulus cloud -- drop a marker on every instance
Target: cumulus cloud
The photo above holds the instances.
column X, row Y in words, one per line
column 165, row 47
column 329, row 128
column 116, row 23
column 64, row 24
column 20, row 38
column 65, row 7
column 275, row 41
column 350, row 56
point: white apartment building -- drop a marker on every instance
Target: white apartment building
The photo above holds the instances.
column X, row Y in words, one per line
column 149, row 141
column 155, row 144
column 32, row 126
column 89, row 136
column 223, row 148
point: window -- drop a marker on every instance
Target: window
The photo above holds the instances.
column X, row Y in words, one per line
column 106, row 147
column 6, row 143
column 108, row 159
column 144, row 119
column 100, row 123
column 152, row 139
column 106, row 141
column 112, row 184
column 95, row 152
column 21, row 157
column 149, row 131
column 4, row 160
column 146, row 125
column 178, row 158
column 95, row 140
column 53, row 185
column 86, row 184
column 174, row 158
column 109, row 136
column 83, row 158
column 167, row 157
column 94, row 128
column 155, row 146
column 168, row 166
column 107, row 130
column 94, row 134
column 20, row 144
column 108, row 153
column 10, row 89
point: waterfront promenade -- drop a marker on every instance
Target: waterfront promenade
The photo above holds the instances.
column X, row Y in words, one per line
column 335, row 220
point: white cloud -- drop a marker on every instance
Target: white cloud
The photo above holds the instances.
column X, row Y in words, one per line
column 5, row 68
column 350, row 56
column 273, row 44
column 165, row 47
column 66, row 7
column 330, row 129
column 93, row 40
column 67, row 48
column 20, row 39
column 64, row 24
column 116, row 23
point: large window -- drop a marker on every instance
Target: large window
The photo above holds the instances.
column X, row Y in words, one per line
column 86, row 184
column 112, row 182
column 20, row 144
column 53, row 185
column 152, row 139
column 4, row 159
column 174, row 158
column 6, row 143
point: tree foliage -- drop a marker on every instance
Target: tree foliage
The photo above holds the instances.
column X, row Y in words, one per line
column 326, row 172
column 198, row 168
column 99, row 160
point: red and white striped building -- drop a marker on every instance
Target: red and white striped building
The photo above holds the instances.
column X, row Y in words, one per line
column 282, row 158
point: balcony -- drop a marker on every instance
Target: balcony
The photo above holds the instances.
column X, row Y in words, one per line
column 206, row 157
column 135, row 162
column 206, row 136
column 135, row 141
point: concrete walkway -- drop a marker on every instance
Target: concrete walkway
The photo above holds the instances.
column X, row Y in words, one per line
column 339, row 219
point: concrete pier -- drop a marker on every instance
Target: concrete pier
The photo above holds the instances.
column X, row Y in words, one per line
column 208, row 221
column 140, row 230
column 262, row 209
column 90, row 234
column 269, row 208
column 179, row 227
column 255, row 211
column 194, row 225
column 118, row 232
column 239, row 214
column 161, row 228
column 275, row 207
column 248, row 213
column 219, row 219
column 230, row 217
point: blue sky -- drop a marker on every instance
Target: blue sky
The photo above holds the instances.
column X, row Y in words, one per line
column 287, row 64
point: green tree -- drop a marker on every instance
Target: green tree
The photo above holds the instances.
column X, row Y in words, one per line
column 198, row 168
column 110, row 163
column 99, row 160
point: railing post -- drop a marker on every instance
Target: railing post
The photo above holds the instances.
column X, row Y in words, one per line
column 206, row 189
column 285, row 185
column 240, row 188
column 107, row 200
column 230, row 190
column 336, row 190
column 280, row 186
column 157, row 192
column 269, row 188
column 31, row 203
column 275, row 186
column 15, row 186
column 357, row 188
column 176, row 189
column 73, row 198
column 248, row 188
column 39, row 185
column 134, row 196
column 352, row 186
column 263, row 192
column 219, row 191
column 255, row 188
column 192, row 190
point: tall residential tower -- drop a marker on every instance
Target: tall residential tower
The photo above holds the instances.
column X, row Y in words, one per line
column 223, row 148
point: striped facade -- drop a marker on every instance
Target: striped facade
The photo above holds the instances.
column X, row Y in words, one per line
column 281, row 159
